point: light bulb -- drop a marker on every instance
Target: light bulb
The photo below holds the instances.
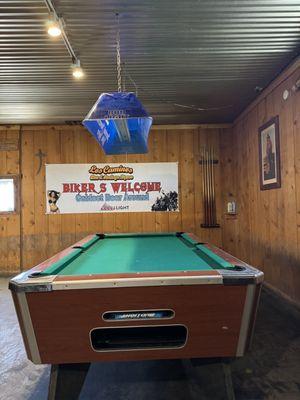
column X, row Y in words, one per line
column 54, row 29
column 77, row 70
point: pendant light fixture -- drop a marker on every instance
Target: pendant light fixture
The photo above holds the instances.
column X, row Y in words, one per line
column 118, row 120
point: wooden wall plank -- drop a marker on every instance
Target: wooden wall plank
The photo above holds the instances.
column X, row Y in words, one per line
column 68, row 236
column 40, row 218
column 253, row 191
column 148, row 219
column 54, row 220
column 121, row 219
column 3, row 218
column 13, row 243
column 80, row 156
column 94, row 155
column 134, row 223
column 186, row 168
column 288, row 254
column 109, row 219
column 173, row 150
column 13, row 220
column 27, row 200
column 228, row 175
column 160, row 154
column 12, row 156
column 275, row 237
column 3, row 243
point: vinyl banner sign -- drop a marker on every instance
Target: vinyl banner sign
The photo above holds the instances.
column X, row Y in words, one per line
column 94, row 188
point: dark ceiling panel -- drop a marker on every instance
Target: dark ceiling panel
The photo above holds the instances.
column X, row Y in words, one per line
column 192, row 61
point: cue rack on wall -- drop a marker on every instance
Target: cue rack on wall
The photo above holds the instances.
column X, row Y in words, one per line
column 208, row 162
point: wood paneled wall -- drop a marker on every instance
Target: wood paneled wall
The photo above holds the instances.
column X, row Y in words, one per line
column 266, row 232
column 43, row 235
column 9, row 223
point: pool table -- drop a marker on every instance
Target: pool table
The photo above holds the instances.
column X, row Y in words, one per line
column 114, row 297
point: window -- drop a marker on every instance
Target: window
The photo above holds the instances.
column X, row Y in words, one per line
column 8, row 194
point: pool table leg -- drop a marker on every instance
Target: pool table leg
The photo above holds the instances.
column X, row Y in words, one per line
column 66, row 381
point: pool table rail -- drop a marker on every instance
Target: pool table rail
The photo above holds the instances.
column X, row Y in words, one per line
column 35, row 280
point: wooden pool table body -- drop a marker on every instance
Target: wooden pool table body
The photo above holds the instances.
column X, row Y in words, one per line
column 58, row 313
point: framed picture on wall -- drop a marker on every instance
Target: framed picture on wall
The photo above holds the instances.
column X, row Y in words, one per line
column 269, row 155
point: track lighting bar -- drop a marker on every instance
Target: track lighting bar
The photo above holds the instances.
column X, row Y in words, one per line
column 59, row 24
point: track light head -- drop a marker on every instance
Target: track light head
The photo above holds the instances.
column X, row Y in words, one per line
column 54, row 26
column 77, row 70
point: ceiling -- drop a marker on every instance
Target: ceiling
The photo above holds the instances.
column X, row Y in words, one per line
column 192, row 61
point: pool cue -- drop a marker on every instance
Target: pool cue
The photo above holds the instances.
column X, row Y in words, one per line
column 214, row 194
column 207, row 177
column 211, row 188
column 208, row 185
column 206, row 188
column 210, row 191
column 203, row 183
column 213, row 185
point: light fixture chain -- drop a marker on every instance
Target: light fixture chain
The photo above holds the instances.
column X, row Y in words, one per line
column 124, row 77
column 119, row 67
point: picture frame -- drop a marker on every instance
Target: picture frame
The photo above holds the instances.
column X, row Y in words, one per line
column 269, row 155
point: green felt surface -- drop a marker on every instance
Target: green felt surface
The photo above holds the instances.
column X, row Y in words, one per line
column 139, row 253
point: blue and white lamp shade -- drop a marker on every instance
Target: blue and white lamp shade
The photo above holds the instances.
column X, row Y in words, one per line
column 120, row 123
